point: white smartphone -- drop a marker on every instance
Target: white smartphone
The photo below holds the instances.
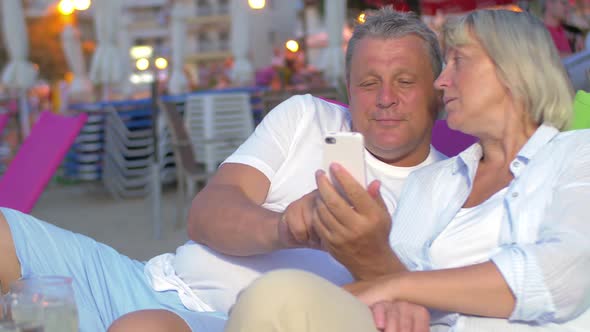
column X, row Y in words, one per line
column 348, row 150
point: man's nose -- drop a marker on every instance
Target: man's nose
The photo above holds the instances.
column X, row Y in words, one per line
column 387, row 97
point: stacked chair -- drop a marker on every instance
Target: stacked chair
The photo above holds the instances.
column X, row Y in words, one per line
column 128, row 149
column 189, row 174
column 217, row 125
column 84, row 160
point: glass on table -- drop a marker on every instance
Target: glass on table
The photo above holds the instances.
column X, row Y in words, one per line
column 10, row 326
column 47, row 301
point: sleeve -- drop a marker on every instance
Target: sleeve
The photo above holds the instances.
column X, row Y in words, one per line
column 267, row 148
column 550, row 278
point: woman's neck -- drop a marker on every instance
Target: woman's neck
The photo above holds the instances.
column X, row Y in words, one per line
column 502, row 146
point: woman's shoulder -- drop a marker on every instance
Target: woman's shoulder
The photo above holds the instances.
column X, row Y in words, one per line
column 571, row 141
column 572, row 136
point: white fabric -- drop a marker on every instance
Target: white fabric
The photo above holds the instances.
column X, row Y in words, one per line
column 242, row 72
column 544, row 252
column 471, row 237
column 106, row 61
column 70, row 38
column 178, row 82
column 18, row 73
column 286, row 147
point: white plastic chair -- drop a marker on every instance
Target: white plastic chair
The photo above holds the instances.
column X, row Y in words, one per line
column 217, row 125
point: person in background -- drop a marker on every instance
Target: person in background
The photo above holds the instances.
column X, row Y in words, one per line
column 494, row 239
column 554, row 15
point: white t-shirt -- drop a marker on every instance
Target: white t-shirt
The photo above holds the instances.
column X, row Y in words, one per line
column 472, row 236
column 287, row 148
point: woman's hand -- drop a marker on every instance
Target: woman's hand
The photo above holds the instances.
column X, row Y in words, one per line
column 382, row 289
column 354, row 226
column 400, row 316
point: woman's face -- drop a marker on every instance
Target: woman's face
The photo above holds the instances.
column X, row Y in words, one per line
column 473, row 95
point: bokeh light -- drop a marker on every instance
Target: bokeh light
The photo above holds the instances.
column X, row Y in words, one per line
column 142, row 64
column 66, row 7
column 362, row 18
column 81, row 4
column 257, row 4
column 161, row 63
column 292, row 45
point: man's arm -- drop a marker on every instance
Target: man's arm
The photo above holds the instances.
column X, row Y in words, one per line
column 478, row 289
column 226, row 215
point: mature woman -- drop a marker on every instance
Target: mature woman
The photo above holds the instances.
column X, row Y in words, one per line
column 494, row 239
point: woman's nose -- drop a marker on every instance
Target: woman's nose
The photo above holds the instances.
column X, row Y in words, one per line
column 442, row 81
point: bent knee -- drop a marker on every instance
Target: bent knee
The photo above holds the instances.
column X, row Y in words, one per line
column 279, row 286
column 149, row 321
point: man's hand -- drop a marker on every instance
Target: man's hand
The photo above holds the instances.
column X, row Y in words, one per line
column 295, row 226
column 354, row 229
column 400, row 316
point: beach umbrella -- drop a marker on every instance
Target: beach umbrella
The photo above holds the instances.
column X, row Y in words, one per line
column 242, row 72
column 70, row 38
column 18, row 73
column 334, row 60
column 106, row 60
column 178, row 81
column 125, row 44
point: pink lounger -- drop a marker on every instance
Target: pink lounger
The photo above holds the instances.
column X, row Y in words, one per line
column 37, row 160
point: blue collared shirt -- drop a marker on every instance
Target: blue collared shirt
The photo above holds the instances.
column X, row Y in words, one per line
column 544, row 251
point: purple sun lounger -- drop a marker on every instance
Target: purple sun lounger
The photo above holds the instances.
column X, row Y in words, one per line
column 37, row 159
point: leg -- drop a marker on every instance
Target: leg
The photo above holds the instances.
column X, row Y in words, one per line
column 149, row 321
column 107, row 285
column 9, row 264
column 291, row 300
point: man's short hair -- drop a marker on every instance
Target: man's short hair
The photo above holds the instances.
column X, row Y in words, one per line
column 386, row 23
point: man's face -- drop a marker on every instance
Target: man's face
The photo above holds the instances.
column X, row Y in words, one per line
column 392, row 98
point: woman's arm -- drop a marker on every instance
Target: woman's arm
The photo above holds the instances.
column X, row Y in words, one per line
column 474, row 290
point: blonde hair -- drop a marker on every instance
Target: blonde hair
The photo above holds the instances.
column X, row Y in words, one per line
column 525, row 58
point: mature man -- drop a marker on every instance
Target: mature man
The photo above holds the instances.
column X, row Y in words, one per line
column 257, row 213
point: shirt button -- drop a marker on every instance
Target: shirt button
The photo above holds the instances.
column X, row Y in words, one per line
column 515, row 164
column 514, row 195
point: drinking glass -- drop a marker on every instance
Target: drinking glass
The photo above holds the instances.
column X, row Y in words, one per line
column 10, row 326
column 44, row 300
